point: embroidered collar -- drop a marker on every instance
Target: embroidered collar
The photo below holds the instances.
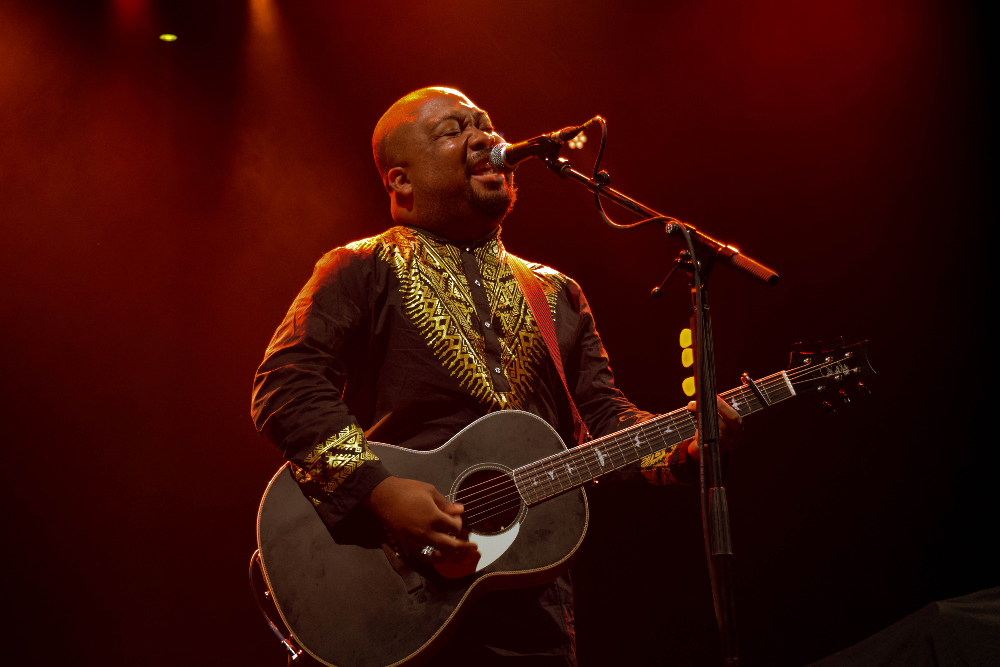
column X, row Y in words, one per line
column 476, row 243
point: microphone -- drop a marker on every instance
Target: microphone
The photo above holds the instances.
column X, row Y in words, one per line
column 505, row 157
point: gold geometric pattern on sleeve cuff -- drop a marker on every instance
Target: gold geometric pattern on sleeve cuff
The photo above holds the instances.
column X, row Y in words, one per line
column 656, row 468
column 333, row 460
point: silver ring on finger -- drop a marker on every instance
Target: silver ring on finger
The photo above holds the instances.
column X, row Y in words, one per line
column 428, row 551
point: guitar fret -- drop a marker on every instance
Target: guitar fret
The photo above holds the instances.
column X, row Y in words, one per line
column 561, row 472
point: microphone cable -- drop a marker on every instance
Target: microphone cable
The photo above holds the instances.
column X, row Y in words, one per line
column 603, row 178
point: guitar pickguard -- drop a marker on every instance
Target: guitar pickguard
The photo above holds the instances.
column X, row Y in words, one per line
column 491, row 547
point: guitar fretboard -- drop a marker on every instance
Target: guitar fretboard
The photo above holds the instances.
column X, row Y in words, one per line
column 567, row 470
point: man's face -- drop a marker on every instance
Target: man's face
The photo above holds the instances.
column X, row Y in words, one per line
column 449, row 163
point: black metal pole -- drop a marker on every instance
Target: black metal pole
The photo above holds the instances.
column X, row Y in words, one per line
column 705, row 252
column 715, row 509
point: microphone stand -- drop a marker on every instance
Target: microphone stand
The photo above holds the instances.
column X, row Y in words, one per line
column 702, row 253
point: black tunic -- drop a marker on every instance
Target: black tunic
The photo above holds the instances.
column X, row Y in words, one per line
column 406, row 338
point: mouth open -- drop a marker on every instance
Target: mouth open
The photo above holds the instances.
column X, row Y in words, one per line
column 484, row 171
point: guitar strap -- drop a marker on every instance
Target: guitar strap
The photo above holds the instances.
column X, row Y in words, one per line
column 539, row 306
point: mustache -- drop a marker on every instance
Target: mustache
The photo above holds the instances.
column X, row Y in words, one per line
column 476, row 158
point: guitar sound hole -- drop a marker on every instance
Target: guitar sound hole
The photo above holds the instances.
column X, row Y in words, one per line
column 491, row 501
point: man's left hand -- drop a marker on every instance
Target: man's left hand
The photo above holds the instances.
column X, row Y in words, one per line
column 730, row 428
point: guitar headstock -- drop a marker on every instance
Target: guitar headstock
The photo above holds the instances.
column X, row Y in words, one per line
column 836, row 372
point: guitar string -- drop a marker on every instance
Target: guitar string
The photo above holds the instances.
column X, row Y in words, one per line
column 495, row 506
column 514, row 498
column 478, row 498
column 744, row 393
column 768, row 385
column 686, row 429
column 508, row 502
column 678, row 418
column 492, row 508
column 481, row 496
column 483, row 506
column 682, row 413
column 587, row 445
column 574, row 458
column 495, row 509
column 681, row 420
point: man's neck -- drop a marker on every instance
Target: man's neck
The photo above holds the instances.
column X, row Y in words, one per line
column 471, row 242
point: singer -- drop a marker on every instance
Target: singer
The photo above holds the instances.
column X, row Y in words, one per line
column 409, row 336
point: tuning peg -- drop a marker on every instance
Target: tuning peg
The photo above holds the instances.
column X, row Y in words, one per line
column 838, row 344
column 862, row 387
column 843, row 396
column 828, row 407
column 798, row 347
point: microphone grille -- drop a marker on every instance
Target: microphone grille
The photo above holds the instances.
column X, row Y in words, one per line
column 497, row 158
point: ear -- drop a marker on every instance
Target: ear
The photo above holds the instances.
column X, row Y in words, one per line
column 397, row 182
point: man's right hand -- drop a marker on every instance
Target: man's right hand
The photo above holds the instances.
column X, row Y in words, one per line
column 418, row 516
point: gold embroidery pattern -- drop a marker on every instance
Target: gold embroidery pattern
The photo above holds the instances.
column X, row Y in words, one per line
column 668, row 467
column 333, row 460
column 656, row 468
column 436, row 298
column 362, row 245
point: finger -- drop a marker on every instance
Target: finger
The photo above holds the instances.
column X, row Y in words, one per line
column 727, row 412
column 444, row 504
column 446, row 519
column 445, row 541
column 732, row 424
column 693, row 450
column 729, row 415
column 447, row 523
column 450, row 546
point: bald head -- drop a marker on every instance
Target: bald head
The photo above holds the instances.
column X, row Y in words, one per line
column 432, row 150
column 389, row 138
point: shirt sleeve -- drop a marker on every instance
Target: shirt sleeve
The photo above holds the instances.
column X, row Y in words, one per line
column 604, row 408
column 298, row 401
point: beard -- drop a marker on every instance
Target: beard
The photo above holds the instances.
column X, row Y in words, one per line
column 494, row 203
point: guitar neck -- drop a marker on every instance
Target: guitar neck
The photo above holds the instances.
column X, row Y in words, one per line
column 567, row 470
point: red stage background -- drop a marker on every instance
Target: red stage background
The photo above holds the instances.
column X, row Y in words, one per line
column 162, row 202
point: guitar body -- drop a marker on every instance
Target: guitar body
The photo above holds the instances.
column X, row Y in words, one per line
column 349, row 602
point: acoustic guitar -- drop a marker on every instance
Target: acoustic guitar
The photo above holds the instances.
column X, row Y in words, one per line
column 350, row 599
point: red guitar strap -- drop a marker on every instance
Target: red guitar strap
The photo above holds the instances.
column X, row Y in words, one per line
column 539, row 306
